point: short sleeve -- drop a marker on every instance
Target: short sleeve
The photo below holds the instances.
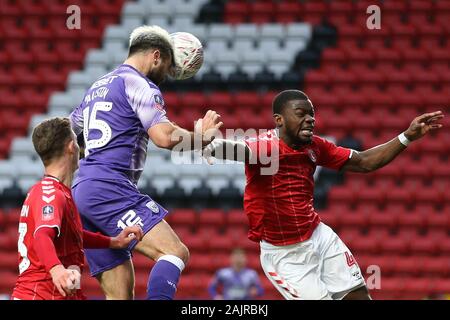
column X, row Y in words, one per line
column 330, row 155
column 146, row 101
column 48, row 208
column 76, row 120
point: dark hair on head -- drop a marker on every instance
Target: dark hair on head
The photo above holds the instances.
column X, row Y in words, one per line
column 283, row 97
column 151, row 37
column 50, row 138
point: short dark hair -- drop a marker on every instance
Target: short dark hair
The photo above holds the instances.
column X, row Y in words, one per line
column 283, row 97
column 50, row 138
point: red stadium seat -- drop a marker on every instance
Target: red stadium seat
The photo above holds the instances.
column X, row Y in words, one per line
column 211, row 217
column 185, row 217
column 236, row 218
column 395, row 245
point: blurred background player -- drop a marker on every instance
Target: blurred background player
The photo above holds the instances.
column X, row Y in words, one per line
column 366, row 85
column 236, row 282
column 51, row 238
column 301, row 256
column 119, row 113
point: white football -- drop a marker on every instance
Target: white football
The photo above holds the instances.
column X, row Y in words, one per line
column 188, row 55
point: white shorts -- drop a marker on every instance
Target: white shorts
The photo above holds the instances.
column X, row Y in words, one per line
column 321, row 267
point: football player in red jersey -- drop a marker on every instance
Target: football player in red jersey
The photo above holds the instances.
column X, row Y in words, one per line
column 51, row 238
column 301, row 256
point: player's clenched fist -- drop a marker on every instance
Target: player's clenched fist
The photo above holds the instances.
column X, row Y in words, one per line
column 65, row 280
column 123, row 239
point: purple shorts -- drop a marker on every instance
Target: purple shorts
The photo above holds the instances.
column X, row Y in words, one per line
column 108, row 207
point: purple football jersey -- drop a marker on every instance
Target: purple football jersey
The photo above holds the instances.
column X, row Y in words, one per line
column 114, row 116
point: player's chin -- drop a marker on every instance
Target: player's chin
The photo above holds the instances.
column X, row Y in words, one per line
column 305, row 139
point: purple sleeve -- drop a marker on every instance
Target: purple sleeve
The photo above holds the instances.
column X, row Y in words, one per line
column 76, row 120
column 146, row 101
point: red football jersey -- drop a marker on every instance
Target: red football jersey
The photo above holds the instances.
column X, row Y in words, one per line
column 279, row 206
column 48, row 204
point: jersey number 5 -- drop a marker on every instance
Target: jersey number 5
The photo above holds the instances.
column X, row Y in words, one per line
column 92, row 123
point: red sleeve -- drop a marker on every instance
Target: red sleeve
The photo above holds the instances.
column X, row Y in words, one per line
column 45, row 248
column 330, row 155
column 93, row 240
column 48, row 208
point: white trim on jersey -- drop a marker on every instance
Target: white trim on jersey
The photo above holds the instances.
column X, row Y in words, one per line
column 48, row 226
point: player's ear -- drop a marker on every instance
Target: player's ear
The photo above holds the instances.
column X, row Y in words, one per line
column 156, row 57
column 71, row 146
column 278, row 119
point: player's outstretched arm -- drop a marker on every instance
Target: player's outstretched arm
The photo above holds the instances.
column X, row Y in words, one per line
column 377, row 157
column 227, row 150
column 167, row 135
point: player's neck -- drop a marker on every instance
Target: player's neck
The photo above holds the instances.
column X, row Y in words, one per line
column 61, row 170
column 291, row 143
column 138, row 63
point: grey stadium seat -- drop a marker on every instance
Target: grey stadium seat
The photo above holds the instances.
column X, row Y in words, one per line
column 161, row 9
column 117, row 34
column 60, row 102
column 35, row 120
column 186, row 9
column 295, row 45
column 299, row 30
column 246, row 31
column 7, row 169
column 279, row 62
column 113, row 45
column 240, row 183
column 162, row 183
column 216, row 46
column 119, row 57
column 30, row 169
column 162, row 22
column 242, row 45
column 189, row 183
column 180, row 24
column 130, row 23
column 269, row 45
column 272, row 31
column 5, row 183
column 253, row 62
column 134, row 10
column 98, row 57
column 220, row 31
column 22, row 147
column 95, row 73
column 79, row 80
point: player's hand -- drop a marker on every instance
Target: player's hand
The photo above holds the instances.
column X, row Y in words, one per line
column 208, row 125
column 123, row 239
column 423, row 124
column 65, row 280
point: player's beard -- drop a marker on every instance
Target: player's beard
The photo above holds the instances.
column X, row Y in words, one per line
column 156, row 76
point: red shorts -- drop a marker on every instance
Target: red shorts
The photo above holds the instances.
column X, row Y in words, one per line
column 41, row 290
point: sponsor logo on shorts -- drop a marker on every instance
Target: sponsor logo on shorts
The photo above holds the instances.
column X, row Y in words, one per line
column 48, row 213
column 357, row 275
column 153, row 206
